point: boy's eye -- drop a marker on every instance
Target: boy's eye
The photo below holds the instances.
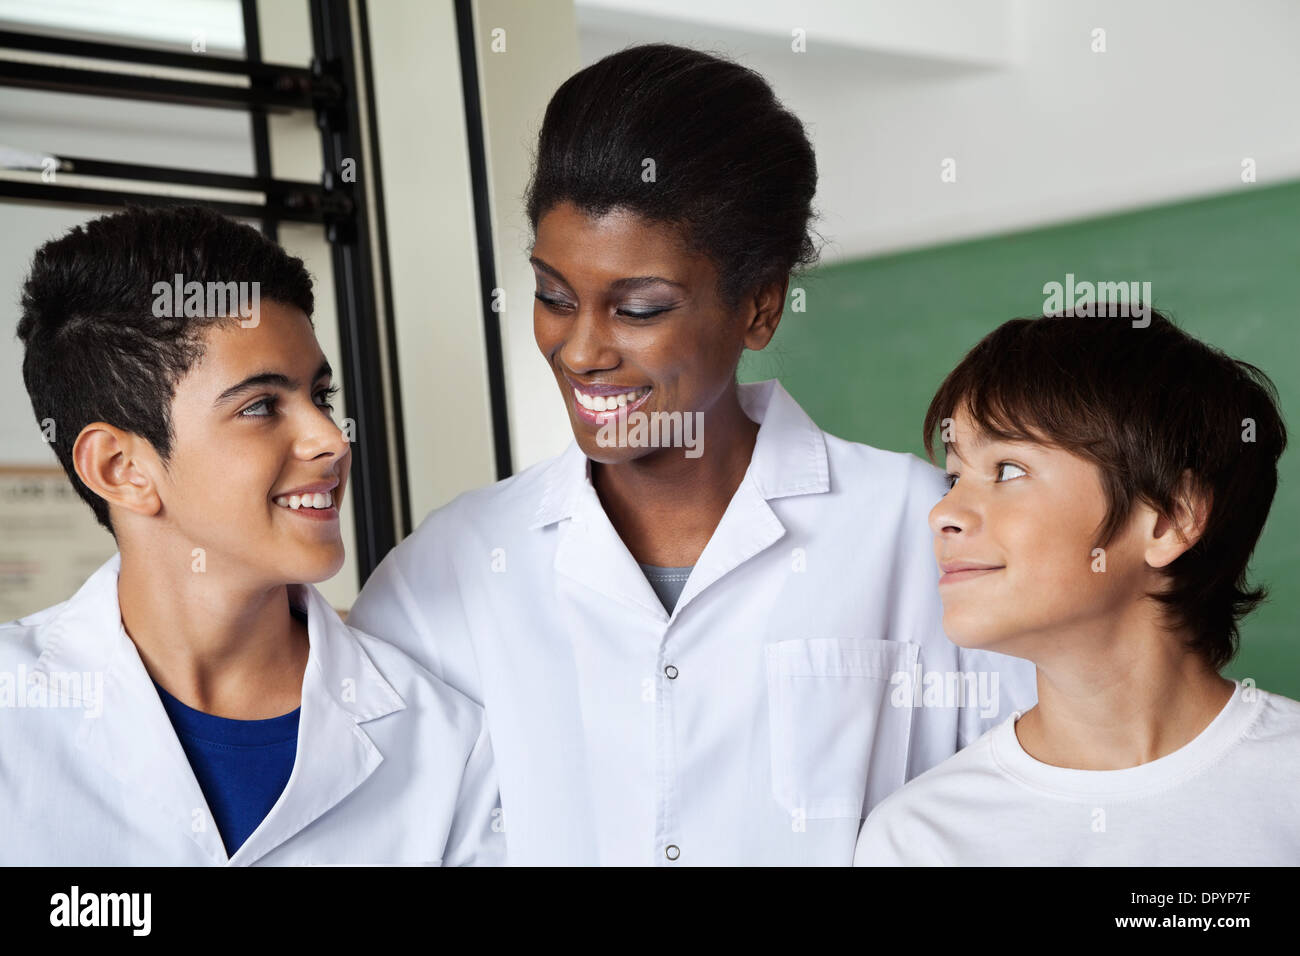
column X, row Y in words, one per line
column 260, row 408
column 1006, row 471
column 265, row 407
column 324, row 395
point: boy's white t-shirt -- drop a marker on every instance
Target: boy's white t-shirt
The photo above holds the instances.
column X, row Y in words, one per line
column 1229, row 797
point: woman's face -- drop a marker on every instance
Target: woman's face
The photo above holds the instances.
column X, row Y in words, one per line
column 632, row 324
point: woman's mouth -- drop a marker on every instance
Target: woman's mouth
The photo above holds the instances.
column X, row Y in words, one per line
column 601, row 404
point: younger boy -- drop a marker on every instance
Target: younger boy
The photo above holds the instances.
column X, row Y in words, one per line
column 1107, row 486
column 196, row 703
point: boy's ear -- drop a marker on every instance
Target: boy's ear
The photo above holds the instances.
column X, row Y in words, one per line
column 115, row 465
column 1174, row 534
column 764, row 314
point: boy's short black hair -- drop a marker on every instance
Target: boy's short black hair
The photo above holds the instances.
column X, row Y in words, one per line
column 96, row 351
column 1146, row 405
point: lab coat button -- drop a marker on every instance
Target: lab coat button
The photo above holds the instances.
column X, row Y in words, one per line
column 672, row 852
column 671, row 672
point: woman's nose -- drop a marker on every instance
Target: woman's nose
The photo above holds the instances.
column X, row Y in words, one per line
column 587, row 347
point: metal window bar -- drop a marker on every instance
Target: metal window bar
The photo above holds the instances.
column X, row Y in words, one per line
column 329, row 90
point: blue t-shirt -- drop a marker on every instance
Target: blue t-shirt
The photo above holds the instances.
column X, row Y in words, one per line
column 242, row 766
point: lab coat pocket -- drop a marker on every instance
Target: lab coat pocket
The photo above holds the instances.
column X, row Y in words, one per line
column 835, row 733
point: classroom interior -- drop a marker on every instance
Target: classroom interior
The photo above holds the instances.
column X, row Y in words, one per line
column 970, row 153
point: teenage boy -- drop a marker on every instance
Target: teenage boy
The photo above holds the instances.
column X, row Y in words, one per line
column 198, row 702
column 1107, row 486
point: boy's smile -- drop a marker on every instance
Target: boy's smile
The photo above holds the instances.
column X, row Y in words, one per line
column 312, row 501
column 964, row 570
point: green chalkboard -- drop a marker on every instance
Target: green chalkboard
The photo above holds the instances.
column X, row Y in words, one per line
column 878, row 335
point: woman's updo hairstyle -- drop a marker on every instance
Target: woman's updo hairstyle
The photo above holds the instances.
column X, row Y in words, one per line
column 733, row 169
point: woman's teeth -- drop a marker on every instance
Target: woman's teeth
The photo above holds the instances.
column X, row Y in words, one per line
column 605, row 403
column 295, row 502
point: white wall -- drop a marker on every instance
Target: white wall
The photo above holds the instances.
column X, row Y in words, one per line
column 1042, row 129
column 516, row 82
column 433, row 258
column 1046, row 131
column 958, row 31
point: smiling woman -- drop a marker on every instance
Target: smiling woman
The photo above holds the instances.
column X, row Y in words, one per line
column 662, row 251
column 685, row 649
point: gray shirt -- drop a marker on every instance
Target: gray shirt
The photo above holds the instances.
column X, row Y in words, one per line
column 667, row 583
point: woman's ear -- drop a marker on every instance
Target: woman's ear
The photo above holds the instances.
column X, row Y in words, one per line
column 764, row 314
column 117, row 465
column 1174, row 534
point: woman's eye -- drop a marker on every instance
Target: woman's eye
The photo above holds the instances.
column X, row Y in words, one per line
column 261, row 408
column 555, row 305
column 951, row 479
column 644, row 314
column 1002, row 470
column 564, row 307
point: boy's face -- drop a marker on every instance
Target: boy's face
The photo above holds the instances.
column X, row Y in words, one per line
column 250, row 426
column 1014, row 537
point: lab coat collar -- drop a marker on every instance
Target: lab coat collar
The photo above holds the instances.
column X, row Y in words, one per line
column 133, row 737
column 789, row 458
column 789, row 455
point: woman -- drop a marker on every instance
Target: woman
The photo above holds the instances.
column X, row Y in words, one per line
column 689, row 651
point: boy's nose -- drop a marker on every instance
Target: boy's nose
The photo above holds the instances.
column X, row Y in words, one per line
column 951, row 515
column 324, row 439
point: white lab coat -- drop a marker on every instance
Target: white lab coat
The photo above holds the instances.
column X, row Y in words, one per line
column 756, row 724
column 392, row 765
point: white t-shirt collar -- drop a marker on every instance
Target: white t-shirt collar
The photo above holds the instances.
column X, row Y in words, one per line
column 1198, row 753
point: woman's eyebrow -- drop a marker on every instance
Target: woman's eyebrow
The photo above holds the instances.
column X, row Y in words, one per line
column 552, row 272
column 618, row 285
column 628, row 285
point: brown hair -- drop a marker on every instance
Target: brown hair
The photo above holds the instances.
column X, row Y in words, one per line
column 1148, row 405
